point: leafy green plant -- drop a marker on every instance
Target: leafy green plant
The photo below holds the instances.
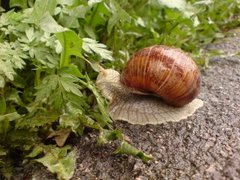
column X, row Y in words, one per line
column 49, row 50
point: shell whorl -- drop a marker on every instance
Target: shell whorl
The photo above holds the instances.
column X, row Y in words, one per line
column 136, row 108
column 167, row 72
column 164, row 71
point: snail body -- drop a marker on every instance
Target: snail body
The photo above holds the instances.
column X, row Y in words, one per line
column 166, row 73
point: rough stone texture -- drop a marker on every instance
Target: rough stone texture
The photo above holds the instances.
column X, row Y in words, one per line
column 204, row 146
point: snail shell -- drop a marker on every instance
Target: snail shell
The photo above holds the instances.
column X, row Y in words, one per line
column 159, row 70
column 166, row 72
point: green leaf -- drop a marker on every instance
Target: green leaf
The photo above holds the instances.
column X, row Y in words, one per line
column 10, row 116
column 44, row 90
column 99, row 16
column 89, row 122
column 2, row 105
column 92, row 2
column 109, row 135
column 105, row 120
column 126, row 148
column 179, row 4
column 71, row 44
column 38, row 118
column 119, row 14
column 7, row 69
column 60, row 161
column 71, row 121
column 49, row 25
column 42, row 7
column 72, row 70
column 74, row 14
column 35, row 151
column 11, row 58
column 18, row 3
column 18, row 81
column 69, row 85
column 13, row 96
column 56, row 99
column 92, row 46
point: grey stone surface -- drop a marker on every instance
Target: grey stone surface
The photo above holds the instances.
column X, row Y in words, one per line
column 205, row 146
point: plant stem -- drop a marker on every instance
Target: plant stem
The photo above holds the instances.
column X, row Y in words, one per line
column 65, row 59
column 38, row 77
column 99, row 99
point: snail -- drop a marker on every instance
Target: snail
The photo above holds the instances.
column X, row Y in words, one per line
column 158, row 84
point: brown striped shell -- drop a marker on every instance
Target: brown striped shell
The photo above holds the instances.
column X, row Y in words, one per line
column 165, row 71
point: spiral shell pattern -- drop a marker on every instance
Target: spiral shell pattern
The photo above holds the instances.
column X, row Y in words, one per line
column 164, row 71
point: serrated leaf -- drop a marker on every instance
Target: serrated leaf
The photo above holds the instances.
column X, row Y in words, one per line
column 92, row 46
column 6, row 68
column 69, row 85
column 30, row 34
column 49, row 84
column 126, row 148
column 56, row 99
column 11, row 58
column 60, row 161
column 41, row 53
column 72, row 45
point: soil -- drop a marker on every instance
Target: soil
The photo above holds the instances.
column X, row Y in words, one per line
column 204, row 146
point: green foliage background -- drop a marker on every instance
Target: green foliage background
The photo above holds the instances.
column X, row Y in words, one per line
column 49, row 51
